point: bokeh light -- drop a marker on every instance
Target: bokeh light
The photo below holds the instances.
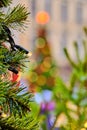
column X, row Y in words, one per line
column 85, row 125
column 33, row 76
column 83, row 129
column 42, row 17
column 41, row 80
column 40, row 42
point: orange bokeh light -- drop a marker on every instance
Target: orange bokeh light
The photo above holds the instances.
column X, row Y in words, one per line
column 42, row 17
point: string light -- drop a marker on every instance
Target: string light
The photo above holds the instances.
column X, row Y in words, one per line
column 30, row 54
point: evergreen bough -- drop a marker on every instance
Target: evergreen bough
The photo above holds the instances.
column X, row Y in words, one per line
column 15, row 111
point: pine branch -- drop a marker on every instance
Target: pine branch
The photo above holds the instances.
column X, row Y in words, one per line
column 15, row 59
column 85, row 30
column 85, row 50
column 19, row 102
column 69, row 59
column 24, row 123
column 3, row 34
column 5, row 3
column 17, row 16
column 1, row 16
column 77, row 52
column 60, row 89
column 11, row 99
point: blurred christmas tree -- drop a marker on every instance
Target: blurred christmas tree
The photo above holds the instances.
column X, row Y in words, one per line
column 71, row 98
column 15, row 113
column 43, row 72
column 41, row 78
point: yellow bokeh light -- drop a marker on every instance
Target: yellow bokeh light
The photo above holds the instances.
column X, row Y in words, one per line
column 85, row 125
column 40, row 42
column 82, row 129
column 61, row 120
column 44, row 68
column 47, row 62
column 33, row 76
column 41, row 80
column 71, row 105
column 4, row 115
column 46, row 50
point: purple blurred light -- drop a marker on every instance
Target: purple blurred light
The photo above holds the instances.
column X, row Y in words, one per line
column 45, row 106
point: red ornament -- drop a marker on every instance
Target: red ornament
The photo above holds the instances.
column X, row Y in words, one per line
column 15, row 78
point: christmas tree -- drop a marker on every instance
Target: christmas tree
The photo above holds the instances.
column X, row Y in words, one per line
column 41, row 77
column 71, row 97
column 15, row 111
column 43, row 72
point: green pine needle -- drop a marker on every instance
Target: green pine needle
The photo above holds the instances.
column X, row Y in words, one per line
column 24, row 123
column 8, row 58
column 69, row 59
column 85, row 30
column 5, row 3
column 13, row 100
column 17, row 16
column 77, row 52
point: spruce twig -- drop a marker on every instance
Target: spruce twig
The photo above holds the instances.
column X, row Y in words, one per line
column 5, row 3
column 17, row 16
column 68, row 57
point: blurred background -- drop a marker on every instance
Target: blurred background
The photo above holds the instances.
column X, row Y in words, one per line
column 64, row 24
column 52, row 26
